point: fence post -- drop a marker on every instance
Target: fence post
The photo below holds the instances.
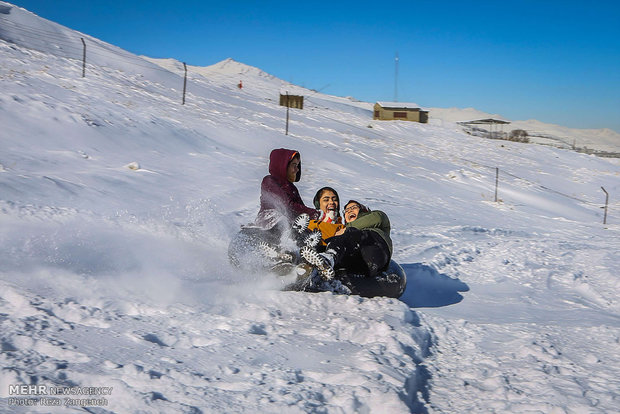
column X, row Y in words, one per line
column 83, row 58
column 184, row 83
column 288, row 106
column 606, row 203
column 496, row 182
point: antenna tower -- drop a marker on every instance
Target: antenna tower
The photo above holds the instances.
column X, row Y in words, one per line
column 396, row 78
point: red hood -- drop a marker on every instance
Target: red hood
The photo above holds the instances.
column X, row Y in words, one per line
column 278, row 163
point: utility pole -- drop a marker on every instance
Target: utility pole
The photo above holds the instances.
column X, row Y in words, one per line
column 396, row 78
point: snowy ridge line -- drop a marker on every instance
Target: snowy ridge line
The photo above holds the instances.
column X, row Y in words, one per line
column 91, row 64
column 90, row 52
column 69, row 47
column 37, row 31
column 439, row 151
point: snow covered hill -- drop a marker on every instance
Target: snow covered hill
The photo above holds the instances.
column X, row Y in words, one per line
column 602, row 140
column 117, row 204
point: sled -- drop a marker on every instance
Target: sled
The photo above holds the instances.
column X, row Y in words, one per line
column 390, row 283
column 244, row 253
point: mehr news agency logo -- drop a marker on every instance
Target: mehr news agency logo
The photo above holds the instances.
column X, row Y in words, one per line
column 43, row 395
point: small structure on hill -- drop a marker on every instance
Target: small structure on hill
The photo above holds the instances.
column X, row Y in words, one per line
column 495, row 128
column 390, row 111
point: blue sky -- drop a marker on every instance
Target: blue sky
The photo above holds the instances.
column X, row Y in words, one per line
column 555, row 61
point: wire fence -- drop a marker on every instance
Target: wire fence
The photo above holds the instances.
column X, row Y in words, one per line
column 469, row 161
column 70, row 48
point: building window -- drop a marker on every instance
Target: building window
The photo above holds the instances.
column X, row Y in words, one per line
column 400, row 114
column 377, row 114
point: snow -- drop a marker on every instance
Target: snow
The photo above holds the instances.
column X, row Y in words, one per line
column 604, row 139
column 117, row 204
column 409, row 105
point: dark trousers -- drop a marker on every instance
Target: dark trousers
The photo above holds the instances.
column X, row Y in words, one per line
column 360, row 251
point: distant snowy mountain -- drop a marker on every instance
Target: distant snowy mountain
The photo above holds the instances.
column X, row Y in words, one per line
column 227, row 67
column 257, row 82
column 117, row 204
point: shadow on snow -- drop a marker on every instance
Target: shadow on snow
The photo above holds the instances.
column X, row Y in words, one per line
column 427, row 288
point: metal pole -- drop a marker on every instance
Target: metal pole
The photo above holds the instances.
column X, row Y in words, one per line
column 606, row 203
column 496, row 181
column 288, row 105
column 184, row 83
column 396, row 78
column 83, row 58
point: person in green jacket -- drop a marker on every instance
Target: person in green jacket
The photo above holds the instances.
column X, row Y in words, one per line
column 363, row 247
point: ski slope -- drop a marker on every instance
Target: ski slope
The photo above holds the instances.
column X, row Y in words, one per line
column 117, row 204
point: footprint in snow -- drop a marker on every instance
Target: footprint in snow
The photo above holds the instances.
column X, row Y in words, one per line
column 258, row 329
column 154, row 339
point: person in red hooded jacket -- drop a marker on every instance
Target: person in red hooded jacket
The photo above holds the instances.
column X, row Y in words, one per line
column 280, row 202
column 281, row 210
